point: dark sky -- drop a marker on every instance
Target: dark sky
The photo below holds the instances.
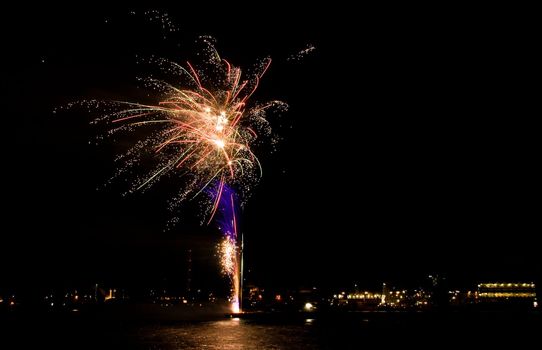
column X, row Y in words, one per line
column 409, row 148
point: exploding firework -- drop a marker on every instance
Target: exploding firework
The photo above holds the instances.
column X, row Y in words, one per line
column 202, row 130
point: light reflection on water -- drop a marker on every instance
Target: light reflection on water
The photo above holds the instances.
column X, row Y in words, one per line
column 275, row 332
column 229, row 334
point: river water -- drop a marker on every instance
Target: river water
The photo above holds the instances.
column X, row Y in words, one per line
column 344, row 331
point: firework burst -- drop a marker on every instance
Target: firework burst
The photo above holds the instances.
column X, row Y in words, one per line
column 201, row 129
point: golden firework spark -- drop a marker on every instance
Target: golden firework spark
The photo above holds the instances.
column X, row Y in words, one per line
column 204, row 130
column 228, row 256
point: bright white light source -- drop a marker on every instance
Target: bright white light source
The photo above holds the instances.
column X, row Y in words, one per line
column 219, row 143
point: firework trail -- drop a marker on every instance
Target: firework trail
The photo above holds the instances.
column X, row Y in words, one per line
column 298, row 56
column 230, row 248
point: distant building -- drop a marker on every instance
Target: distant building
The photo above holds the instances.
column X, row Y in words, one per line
column 389, row 298
column 507, row 294
column 358, row 300
column 254, row 297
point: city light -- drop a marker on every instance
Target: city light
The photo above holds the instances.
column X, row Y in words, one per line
column 505, row 285
column 507, row 295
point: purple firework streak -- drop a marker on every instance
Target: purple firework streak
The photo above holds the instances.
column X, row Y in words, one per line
column 229, row 249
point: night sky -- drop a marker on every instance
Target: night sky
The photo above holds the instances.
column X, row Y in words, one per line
column 409, row 148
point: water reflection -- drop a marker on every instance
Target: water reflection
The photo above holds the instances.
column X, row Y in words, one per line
column 229, row 334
